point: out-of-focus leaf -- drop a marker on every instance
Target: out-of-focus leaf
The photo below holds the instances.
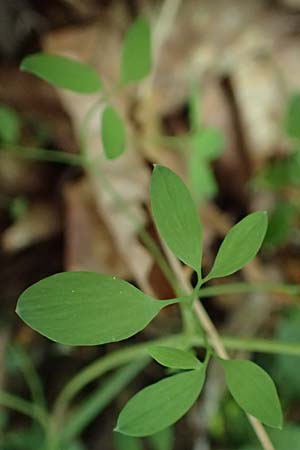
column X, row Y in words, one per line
column 281, row 173
column 163, row 440
column 280, row 224
column 209, row 142
column 18, row 207
column 113, row 133
column 136, row 54
column 10, row 124
column 124, row 442
column 286, row 368
column 201, row 177
column 63, row 72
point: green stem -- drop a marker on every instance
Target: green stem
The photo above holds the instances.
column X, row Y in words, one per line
column 42, row 154
column 95, row 403
column 248, row 288
column 30, row 376
column 24, row 407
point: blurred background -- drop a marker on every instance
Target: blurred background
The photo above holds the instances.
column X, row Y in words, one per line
column 222, row 109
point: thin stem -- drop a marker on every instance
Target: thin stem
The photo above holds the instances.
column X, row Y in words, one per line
column 248, row 288
column 42, row 154
column 24, row 407
column 30, row 376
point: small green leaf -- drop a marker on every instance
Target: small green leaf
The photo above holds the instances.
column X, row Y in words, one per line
column 176, row 217
column 209, row 142
column 86, row 308
column 280, row 224
column 18, row 207
column 161, row 404
column 254, row 391
column 292, row 117
column 163, row 440
column 136, row 52
column 240, row 245
column 63, row 72
column 174, row 357
column 113, row 133
column 10, row 125
column 201, row 178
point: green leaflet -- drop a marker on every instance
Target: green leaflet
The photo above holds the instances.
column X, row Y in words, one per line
column 209, row 143
column 10, row 125
column 86, row 308
column 240, row 245
column 254, row 391
column 113, row 133
column 63, row 72
column 280, row 224
column 201, row 177
column 174, row 357
column 161, row 404
column 136, row 53
column 176, row 217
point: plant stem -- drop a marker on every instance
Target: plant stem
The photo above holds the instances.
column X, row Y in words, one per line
column 248, row 288
column 94, row 404
column 217, row 344
column 42, row 154
column 24, row 407
column 30, row 376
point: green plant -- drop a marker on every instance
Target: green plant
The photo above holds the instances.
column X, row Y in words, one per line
column 80, row 308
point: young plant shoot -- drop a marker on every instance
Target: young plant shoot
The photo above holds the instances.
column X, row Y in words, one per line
column 81, row 308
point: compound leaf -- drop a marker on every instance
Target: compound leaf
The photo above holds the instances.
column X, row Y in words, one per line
column 113, row 133
column 161, row 404
column 136, row 53
column 174, row 357
column 63, row 72
column 240, row 245
column 254, row 391
column 176, row 217
column 86, row 308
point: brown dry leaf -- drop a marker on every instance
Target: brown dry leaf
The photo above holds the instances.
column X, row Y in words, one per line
column 261, row 103
column 40, row 221
column 88, row 243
